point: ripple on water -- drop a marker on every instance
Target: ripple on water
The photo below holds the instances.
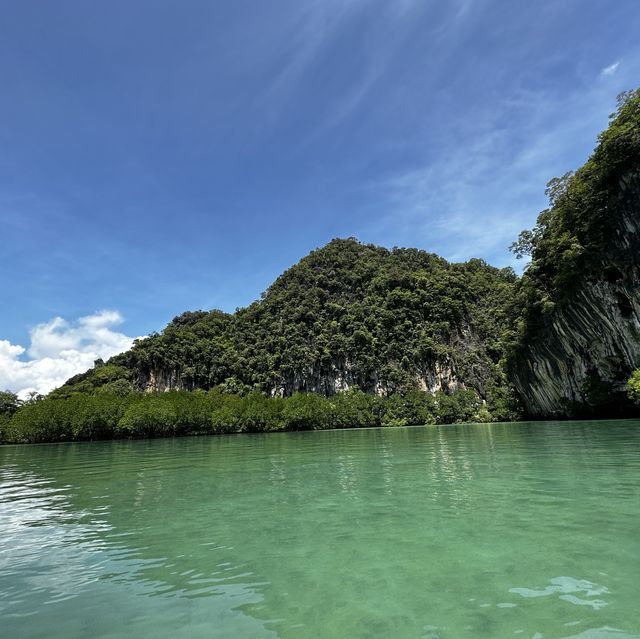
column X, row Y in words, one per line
column 566, row 588
column 427, row 532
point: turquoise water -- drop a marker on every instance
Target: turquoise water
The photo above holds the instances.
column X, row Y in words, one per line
column 503, row 530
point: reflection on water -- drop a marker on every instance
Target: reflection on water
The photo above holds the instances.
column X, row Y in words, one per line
column 418, row 532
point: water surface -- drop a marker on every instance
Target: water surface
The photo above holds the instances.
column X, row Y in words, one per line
column 503, row 530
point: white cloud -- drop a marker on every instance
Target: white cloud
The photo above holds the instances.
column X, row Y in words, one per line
column 60, row 349
column 611, row 69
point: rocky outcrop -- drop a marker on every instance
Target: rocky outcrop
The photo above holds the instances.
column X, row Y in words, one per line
column 340, row 377
column 347, row 315
column 596, row 337
column 593, row 337
column 160, row 380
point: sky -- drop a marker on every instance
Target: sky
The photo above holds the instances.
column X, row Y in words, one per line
column 158, row 156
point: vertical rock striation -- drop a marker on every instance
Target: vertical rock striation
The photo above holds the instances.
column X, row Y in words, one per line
column 591, row 338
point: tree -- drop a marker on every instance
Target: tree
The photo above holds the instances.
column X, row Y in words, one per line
column 524, row 245
column 9, row 403
column 305, row 411
column 633, row 386
column 33, row 397
column 558, row 187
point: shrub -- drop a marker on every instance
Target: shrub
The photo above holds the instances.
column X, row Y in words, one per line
column 633, row 386
column 226, row 418
column 260, row 413
column 81, row 416
column 461, row 406
column 148, row 417
column 48, row 420
column 354, row 409
column 415, row 407
column 306, row 411
column 95, row 417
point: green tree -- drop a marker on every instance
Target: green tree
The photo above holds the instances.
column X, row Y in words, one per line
column 151, row 416
column 226, row 417
column 414, row 408
column 47, row 420
column 9, row 403
column 633, row 386
column 354, row 409
column 306, row 411
column 461, row 406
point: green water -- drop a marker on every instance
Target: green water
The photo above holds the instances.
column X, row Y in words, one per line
column 503, row 530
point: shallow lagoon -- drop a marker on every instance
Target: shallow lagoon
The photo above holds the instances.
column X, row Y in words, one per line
column 497, row 530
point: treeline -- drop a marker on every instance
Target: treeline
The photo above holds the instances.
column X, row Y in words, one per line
column 84, row 417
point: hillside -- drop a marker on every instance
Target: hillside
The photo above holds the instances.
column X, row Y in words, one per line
column 347, row 315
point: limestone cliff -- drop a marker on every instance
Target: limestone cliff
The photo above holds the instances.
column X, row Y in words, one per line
column 594, row 339
column 580, row 297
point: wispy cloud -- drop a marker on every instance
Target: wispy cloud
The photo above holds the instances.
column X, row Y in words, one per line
column 374, row 59
column 611, row 69
column 461, row 205
column 58, row 350
column 473, row 200
column 305, row 35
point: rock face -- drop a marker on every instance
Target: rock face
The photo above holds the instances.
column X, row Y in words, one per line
column 593, row 337
column 341, row 378
column 465, row 364
column 566, row 334
column 596, row 337
column 338, row 377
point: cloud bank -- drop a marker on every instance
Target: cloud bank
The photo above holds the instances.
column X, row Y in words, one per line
column 58, row 350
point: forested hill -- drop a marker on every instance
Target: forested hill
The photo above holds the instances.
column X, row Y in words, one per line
column 347, row 315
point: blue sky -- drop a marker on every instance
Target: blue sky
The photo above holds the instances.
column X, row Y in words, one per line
column 170, row 155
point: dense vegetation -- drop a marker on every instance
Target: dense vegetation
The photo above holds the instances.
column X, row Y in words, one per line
column 354, row 335
column 633, row 386
column 349, row 315
column 104, row 416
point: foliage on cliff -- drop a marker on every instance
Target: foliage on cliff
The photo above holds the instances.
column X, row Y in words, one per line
column 579, row 238
column 633, row 386
column 347, row 315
